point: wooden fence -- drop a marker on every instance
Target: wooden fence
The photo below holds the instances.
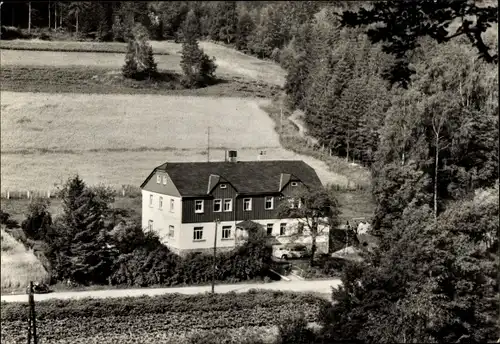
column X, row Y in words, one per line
column 125, row 191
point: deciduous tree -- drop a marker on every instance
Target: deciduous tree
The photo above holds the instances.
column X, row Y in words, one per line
column 401, row 24
column 316, row 210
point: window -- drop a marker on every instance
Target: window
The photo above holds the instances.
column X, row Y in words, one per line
column 158, row 178
column 198, row 206
column 294, row 203
column 269, row 202
column 198, row 234
column 172, row 202
column 269, row 229
column 295, row 183
column 150, row 200
column 150, row 225
column 160, row 203
column 164, row 180
column 217, row 205
column 171, row 231
column 247, row 204
column 228, row 205
column 223, row 186
column 282, row 228
column 226, row 232
column 300, row 228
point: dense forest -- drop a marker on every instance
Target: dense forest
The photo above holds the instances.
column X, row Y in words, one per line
column 430, row 138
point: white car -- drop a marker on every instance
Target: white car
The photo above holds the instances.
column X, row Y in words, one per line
column 290, row 251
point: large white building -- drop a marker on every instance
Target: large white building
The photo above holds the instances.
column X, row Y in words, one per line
column 185, row 202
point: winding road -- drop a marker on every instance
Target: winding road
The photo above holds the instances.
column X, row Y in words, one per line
column 316, row 286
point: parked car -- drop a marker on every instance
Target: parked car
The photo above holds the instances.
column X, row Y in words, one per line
column 290, row 251
column 39, row 288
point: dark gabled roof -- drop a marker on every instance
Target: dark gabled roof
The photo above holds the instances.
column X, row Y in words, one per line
column 247, row 177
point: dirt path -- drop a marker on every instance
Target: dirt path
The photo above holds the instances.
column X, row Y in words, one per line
column 317, row 286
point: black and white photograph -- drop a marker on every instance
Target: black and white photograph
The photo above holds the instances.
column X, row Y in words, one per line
column 249, row 172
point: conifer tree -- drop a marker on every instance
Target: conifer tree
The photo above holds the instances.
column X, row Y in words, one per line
column 139, row 60
column 198, row 68
column 80, row 250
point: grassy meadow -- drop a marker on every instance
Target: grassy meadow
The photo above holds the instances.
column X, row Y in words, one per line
column 167, row 54
column 118, row 139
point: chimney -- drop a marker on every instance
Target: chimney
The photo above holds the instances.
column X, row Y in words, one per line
column 261, row 155
column 232, row 154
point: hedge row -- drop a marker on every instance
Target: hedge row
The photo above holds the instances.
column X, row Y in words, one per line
column 168, row 303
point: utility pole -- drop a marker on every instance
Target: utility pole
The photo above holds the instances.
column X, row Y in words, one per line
column 215, row 256
column 281, row 120
column 32, row 316
column 208, row 144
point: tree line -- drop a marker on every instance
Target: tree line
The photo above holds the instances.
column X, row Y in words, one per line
column 424, row 112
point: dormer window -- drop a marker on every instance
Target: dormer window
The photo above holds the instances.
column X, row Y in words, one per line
column 295, row 184
column 158, row 178
column 223, row 186
column 164, row 180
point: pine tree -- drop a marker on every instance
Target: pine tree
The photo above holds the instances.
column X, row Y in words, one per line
column 79, row 247
column 190, row 28
column 198, row 68
column 139, row 60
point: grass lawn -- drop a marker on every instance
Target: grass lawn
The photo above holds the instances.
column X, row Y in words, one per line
column 230, row 62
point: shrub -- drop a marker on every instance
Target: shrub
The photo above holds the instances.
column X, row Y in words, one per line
column 38, row 219
column 7, row 221
column 330, row 266
column 223, row 337
column 11, row 32
column 295, row 331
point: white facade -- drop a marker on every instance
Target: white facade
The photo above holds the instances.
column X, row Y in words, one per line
column 187, row 239
column 165, row 218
